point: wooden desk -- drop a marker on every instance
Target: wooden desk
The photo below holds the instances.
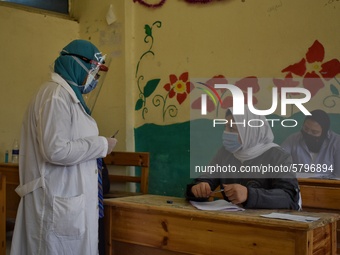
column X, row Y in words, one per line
column 321, row 195
column 148, row 225
column 11, row 171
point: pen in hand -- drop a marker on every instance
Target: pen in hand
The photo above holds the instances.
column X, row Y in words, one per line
column 115, row 134
column 217, row 191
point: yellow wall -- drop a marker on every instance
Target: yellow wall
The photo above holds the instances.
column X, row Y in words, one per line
column 29, row 43
column 111, row 112
column 232, row 38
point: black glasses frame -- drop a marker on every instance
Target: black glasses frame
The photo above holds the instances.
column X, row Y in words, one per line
column 87, row 60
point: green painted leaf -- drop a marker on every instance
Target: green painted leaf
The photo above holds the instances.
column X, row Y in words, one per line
column 334, row 90
column 150, row 87
column 148, row 30
column 139, row 104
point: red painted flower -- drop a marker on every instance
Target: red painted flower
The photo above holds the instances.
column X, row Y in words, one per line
column 287, row 82
column 243, row 84
column 217, row 79
column 227, row 102
column 179, row 87
column 312, row 68
column 210, row 84
column 197, row 105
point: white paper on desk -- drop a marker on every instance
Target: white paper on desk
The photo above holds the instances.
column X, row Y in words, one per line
column 292, row 217
column 217, row 205
column 333, row 178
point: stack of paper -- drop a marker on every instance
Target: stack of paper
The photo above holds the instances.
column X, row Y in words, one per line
column 217, row 205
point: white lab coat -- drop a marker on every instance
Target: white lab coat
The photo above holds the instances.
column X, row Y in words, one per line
column 58, row 210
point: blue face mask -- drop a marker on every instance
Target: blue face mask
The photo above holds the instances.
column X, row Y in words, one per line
column 230, row 141
column 87, row 88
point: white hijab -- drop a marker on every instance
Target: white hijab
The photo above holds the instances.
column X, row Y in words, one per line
column 255, row 140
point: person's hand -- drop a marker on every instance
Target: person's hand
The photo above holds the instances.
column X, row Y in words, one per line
column 236, row 193
column 201, row 189
column 111, row 144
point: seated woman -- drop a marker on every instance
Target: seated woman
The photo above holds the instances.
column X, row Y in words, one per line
column 244, row 147
column 316, row 146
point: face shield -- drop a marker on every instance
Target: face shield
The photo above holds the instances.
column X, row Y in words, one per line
column 91, row 97
column 95, row 76
column 96, row 66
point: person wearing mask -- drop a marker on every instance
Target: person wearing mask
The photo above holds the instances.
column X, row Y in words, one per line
column 60, row 160
column 248, row 146
column 316, row 147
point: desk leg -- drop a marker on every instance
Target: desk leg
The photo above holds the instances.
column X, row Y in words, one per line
column 334, row 237
column 108, row 231
column 304, row 243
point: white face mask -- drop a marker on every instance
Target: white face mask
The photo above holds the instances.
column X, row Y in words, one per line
column 87, row 89
column 230, row 141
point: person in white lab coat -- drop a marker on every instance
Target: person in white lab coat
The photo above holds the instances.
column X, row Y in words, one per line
column 60, row 144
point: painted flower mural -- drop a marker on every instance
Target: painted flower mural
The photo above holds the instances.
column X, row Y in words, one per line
column 208, row 87
column 147, row 89
column 287, row 82
column 244, row 84
column 314, row 69
column 217, row 98
column 331, row 100
column 313, row 72
column 179, row 87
